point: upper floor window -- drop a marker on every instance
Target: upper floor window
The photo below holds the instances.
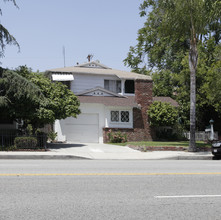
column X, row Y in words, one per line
column 67, row 83
column 113, row 85
column 129, row 86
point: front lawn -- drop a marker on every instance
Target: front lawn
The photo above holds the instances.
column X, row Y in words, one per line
column 164, row 145
column 167, row 144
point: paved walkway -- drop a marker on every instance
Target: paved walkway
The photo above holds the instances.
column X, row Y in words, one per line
column 102, row 151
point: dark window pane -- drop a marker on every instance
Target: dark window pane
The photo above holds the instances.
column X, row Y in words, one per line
column 106, row 84
column 115, row 116
column 124, row 116
column 129, row 86
column 67, row 83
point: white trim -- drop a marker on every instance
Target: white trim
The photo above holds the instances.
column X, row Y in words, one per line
column 122, row 86
column 62, row 77
column 119, row 124
column 99, row 89
column 129, row 94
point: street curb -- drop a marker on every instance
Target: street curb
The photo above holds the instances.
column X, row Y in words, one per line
column 72, row 157
column 196, row 157
column 42, row 157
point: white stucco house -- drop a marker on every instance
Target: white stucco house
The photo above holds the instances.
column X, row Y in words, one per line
column 109, row 99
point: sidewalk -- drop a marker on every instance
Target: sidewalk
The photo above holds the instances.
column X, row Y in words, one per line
column 102, row 152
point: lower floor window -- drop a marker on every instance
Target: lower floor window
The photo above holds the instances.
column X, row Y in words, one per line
column 124, row 116
column 115, row 116
column 120, row 116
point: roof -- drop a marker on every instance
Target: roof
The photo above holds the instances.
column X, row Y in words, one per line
column 109, row 101
column 93, row 64
column 167, row 100
column 99, row 69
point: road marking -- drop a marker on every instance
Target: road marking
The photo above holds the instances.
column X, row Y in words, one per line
column 186, row 196
column 105, row 174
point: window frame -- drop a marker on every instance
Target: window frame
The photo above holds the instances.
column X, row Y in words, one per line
column 114, row 116
column 113, row 85
column 120, row 118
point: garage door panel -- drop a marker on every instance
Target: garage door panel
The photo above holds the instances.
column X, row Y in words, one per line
column 83, row 119
column 82, row 129
column 76, row 136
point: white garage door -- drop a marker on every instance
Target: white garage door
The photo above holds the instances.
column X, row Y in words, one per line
column 84, row 128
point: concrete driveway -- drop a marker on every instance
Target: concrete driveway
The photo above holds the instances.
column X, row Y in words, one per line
column 108, row 151
column 94, row 150
column 101, row 151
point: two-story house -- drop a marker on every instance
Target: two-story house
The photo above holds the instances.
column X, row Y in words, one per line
column 110, row 99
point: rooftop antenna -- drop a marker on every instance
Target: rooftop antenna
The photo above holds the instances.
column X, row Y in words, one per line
column 89, row 57
column 64, row 55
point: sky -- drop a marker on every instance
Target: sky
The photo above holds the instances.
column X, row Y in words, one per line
column 104, row 28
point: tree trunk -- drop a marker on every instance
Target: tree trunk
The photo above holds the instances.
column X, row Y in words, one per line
column 193, row 57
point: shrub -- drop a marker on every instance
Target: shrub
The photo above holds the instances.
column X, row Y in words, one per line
column 25, row 142
column 117, row 137
column 52, row 135
column 162, row 114
column 170, row 135
column 8, row 148
column 11, row 148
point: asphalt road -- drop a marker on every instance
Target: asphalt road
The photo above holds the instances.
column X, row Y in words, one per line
column 90, row 189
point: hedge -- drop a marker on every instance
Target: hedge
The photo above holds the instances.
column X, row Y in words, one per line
column 25, row 142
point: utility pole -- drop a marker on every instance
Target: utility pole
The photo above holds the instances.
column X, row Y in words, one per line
column 64, row 55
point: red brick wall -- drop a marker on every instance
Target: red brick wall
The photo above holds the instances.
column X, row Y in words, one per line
column 141, row 129
column 144, row 98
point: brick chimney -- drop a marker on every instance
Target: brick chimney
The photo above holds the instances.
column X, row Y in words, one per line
column 144, row 98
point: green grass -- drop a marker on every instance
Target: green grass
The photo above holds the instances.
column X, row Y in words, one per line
column 163, row 143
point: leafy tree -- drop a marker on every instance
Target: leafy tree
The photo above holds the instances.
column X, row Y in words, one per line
column 214, row 93
column 163, row 83
column 5, row 37
column 172, row 27
column 162, row 114
column 61, row 102
column 33, row 98
column 206, row 106
column 19, row 98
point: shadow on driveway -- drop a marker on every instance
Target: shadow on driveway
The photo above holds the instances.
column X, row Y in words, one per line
column 63, row 145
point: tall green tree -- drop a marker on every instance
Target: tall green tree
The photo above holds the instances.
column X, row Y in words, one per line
column 207, row 88
column 5, row 37
column 172, row 28
column 163, row 83
column 61, row 101
column 19, row 98
column 33, row 98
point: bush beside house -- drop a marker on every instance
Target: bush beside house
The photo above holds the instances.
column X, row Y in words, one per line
column 164, row 118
